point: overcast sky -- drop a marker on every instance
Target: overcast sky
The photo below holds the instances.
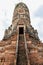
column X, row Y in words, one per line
column 36, row 14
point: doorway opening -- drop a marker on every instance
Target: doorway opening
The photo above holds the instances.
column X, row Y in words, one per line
column 21, row 30
column 21, row 33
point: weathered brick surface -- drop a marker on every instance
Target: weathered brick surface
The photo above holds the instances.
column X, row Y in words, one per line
column 9, row 44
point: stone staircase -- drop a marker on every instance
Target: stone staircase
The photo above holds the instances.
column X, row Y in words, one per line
column 21, row 58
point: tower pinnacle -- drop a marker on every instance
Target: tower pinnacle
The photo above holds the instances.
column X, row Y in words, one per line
column 21, row 16
column 21, row 44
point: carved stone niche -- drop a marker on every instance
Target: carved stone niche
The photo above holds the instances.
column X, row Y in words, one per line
column 6, row 33
column 10, row 28
column 30, row 30
column 36, row 34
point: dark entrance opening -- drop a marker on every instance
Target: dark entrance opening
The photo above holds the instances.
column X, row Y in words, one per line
column 21, row 33
column 21, row 30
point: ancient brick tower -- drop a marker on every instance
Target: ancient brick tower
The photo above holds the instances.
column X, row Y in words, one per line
column 21, row 44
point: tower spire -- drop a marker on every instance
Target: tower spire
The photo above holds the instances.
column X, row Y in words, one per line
column 21, row 44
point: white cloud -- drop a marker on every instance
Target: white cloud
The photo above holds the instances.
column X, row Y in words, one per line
column 6, row 13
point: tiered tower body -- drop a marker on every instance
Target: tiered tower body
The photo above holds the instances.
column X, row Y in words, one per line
column 21, row 44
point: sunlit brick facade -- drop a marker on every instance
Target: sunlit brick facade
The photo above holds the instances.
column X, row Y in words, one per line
column 21, row 32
